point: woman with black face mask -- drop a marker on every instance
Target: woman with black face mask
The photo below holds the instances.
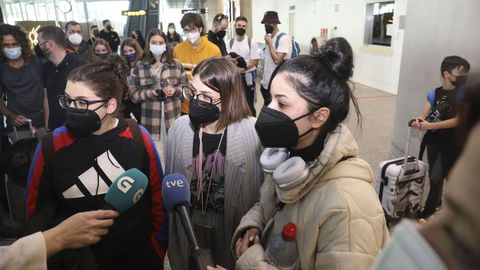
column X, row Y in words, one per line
column 217, row 149
column 313, row 177
column 91, row 151
column 101, row 50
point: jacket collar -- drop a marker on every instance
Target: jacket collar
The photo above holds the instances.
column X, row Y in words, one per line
column 338, row 144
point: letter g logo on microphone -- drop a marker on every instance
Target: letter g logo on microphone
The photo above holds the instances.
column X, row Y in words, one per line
column 137, row 195
column 124, row 184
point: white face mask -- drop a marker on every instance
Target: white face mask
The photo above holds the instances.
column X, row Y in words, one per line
column 158, row 49
column 193, row 36
column 75, row 39
column 12, row 53
column 171, row 30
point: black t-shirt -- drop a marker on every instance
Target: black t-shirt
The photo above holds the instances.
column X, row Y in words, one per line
column 24, row 90
column 444, row 108
column 55, row 82
column 213, row 169
column 112, row 38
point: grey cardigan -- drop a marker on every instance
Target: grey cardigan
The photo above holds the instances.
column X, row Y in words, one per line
column 243, row 178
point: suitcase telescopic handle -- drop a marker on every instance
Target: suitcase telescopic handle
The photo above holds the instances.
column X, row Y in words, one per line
column 407, row 146
column 29, row 122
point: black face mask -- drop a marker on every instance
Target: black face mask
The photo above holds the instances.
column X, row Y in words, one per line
column 221, row 34
column 96, row 33
column 102, row 56
column 276, row 129
column 109, row 28
column 202, row 112
column 240, row 31
column 459, row 80
column 82, row 122
column 38, row 51
column 268, row 29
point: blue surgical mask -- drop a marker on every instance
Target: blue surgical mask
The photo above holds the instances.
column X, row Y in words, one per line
column 131, row 57
column 12, row 53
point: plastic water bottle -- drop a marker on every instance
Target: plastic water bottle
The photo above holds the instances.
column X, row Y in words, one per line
column 282, row 249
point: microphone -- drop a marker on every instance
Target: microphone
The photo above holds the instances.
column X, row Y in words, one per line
column 126, row 190
column 176, row 197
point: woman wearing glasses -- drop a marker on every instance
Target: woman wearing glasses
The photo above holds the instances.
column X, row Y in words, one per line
column 155, row 82
column 87, row 155
column 217, row 149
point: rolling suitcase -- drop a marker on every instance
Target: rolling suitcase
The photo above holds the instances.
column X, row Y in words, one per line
column 399, row 184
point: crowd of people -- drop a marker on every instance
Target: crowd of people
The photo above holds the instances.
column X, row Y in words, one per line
column 193, row 107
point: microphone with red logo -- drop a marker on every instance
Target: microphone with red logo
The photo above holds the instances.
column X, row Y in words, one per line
column 176, row 196
column 126, row 190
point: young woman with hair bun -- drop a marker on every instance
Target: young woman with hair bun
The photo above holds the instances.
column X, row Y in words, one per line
column 313, row 175
column 88, row 153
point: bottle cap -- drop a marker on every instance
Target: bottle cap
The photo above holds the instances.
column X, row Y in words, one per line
column 289, row 231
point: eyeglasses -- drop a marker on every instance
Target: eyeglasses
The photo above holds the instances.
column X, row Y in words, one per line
column 188, row 30
column 190, row 93
column 79, row 103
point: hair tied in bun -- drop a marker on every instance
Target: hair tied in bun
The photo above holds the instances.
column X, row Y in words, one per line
column 337, row 56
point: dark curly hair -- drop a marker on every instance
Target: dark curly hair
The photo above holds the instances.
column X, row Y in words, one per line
column 105, row 78
column 21, row 37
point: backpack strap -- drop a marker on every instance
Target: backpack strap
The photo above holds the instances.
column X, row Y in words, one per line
column 137, row 135
column 277, row 42
column 48, row 152
column 423, row 144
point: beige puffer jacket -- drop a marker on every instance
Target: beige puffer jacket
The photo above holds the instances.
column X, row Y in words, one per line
column 340, row 222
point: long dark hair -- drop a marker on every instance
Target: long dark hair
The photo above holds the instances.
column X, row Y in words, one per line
column 147, row 54
column 21, row 38
column 322, row 80
column 221, row 75
column 139, row 38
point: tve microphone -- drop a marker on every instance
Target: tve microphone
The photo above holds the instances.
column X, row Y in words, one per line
column 176, row 196
column 126, row 190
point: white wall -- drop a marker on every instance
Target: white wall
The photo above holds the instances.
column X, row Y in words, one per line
column 375, row 66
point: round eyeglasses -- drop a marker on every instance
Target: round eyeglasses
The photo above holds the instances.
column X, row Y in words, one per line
column 78, row 103
column 189, row 93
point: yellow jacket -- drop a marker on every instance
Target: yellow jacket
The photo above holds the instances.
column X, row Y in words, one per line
column 190, row 57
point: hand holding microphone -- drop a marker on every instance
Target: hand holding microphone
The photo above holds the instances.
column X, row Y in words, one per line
column 176, row 196
column 79, row 230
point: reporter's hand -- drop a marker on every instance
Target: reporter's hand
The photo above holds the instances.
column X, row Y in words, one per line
column 249, row 238
column 79, row 230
